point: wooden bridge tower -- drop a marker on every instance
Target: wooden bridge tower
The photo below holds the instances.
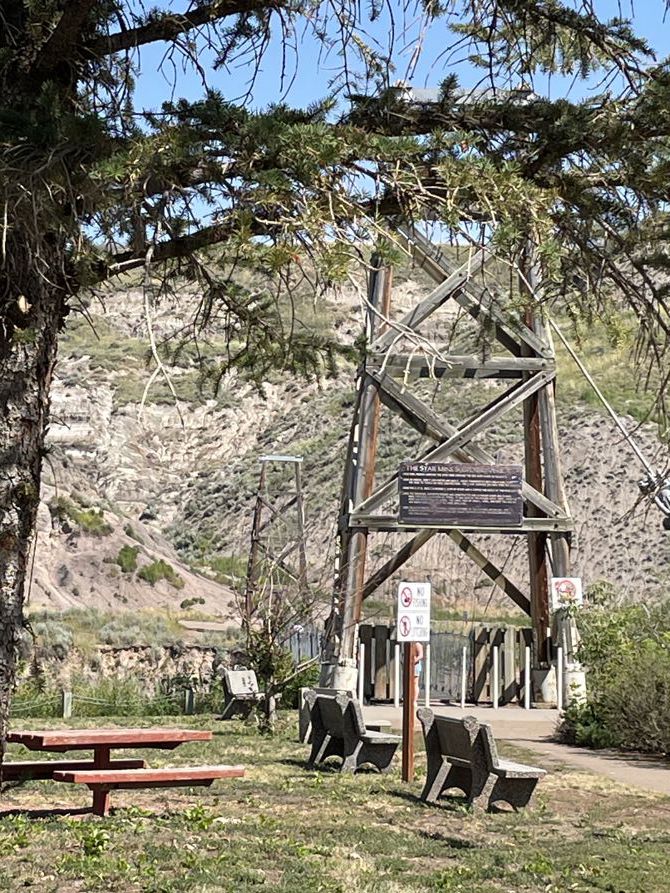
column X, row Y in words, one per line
column 518, row 352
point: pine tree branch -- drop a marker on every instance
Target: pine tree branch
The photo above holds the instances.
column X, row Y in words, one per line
column 173, row 249
column 169, row 26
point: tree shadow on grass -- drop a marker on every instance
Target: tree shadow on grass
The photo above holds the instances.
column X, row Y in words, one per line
column 55, row 812
column 327, row 768
column 446, row 803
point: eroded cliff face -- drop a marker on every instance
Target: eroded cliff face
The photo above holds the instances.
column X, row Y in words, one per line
column 155, row 667
column 183, row 478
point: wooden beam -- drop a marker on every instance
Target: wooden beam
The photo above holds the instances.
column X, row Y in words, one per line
column 393, row 564
column 537, row 542
column 490, row 570
column 411, row 321
column 389, row 523
column 477, row 300
column 457, row 366
column 364, row 472
column 495, row 410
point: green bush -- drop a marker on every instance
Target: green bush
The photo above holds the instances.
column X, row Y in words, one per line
column 626, row 653
column 90, row 520
column 127, row 558
column 308, row 678
column 160, row 570
column 190, row 602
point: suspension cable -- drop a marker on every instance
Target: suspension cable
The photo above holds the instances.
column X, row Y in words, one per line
column 599, row 394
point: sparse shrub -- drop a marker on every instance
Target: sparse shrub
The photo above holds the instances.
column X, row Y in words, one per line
column 229, row 569
column 308, row 678
column 160, row 570
column 131, row 532
column 89, row 520
column 127, row 558
column 52, row 638
column 189, row 602
column 127, row 629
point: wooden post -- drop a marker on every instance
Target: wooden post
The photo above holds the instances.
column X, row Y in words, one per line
column 396, row 676
column 101, row 797
column 537, row 542
column 364, row 451
column 66, row 703
column 408, row 708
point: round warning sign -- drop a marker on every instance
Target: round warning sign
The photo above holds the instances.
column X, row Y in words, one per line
column 406, row 595
column 565, row 591
column 405, row 626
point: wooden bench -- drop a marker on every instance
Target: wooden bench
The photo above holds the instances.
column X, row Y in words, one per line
column 338, row 729
column 240, row 692
column 305, row 719
column 462, row 753
column 102, row 781
column 43, row 770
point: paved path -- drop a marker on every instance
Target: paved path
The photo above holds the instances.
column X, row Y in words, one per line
column 533, row 729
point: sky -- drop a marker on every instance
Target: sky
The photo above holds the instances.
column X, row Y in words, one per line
column 308, row 73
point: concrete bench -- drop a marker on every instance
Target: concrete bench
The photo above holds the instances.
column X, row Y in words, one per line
column 43, row 770
column 102, row 781
column 338, row 729
column 240, row 692
column 462, row 753
column 305, row 719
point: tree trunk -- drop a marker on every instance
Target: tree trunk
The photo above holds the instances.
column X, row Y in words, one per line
column 32, row 307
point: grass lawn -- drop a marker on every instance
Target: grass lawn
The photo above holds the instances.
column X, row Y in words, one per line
column 286, row 829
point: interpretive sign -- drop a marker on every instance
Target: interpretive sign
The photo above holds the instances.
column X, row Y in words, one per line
column 413, row 612
column 438, row 494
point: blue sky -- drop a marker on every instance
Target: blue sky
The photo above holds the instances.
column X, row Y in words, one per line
column 308, row 73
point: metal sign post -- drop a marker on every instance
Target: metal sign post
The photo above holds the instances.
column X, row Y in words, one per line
column 413, row 626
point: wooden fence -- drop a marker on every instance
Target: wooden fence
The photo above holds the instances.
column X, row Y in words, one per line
column 446, row 661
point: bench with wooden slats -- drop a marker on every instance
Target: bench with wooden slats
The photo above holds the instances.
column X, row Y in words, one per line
column 43, row 770
column 101, row 781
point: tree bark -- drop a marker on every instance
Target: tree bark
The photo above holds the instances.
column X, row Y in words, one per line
column 32, row 308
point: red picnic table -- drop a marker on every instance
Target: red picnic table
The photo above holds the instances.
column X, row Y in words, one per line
column 102, row 774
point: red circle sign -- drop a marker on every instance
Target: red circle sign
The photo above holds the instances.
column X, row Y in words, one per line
column 567, row 590
column 405, row 626
column 406, row 597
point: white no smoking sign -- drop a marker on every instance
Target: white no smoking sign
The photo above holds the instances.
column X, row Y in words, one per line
column 413, row 612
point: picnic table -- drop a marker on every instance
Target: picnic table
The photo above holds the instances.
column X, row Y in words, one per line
column 103, row 774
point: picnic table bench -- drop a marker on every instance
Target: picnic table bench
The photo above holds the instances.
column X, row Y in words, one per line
column 102, row 774
column 462, row 753
column 240, row 692
column 338, row 729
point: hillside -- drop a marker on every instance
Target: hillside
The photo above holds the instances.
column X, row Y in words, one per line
column 184, row 479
